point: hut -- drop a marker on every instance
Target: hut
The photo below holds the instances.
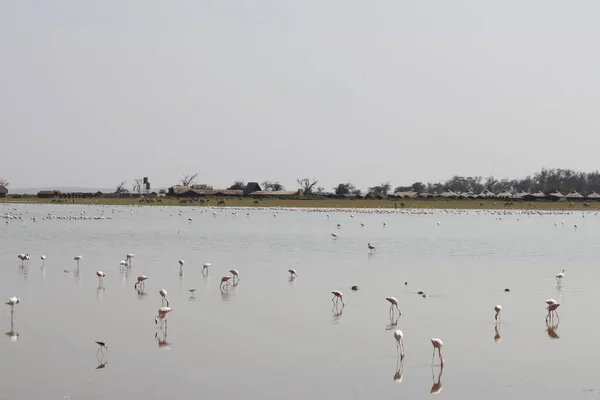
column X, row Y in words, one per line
column 425, row 195
column 504, row 195
column 251, row 187
column 556, row 196
column 534, row 196
column 574, row 196
column 520, row 196
column 593, row 196
column 486, row 194
column 48, row 194
column 406, row 195
column 3, row 191
column 448, row 194
column 275, row 193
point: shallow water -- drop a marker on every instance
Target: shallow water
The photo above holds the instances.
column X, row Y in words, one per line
column 271, row 338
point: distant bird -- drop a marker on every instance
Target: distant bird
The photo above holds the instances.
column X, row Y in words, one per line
column 399, row 336
column 192, row 292
column 78, row 258
column 43, row 258
column 12, row 301
column 552, row 310
column 123, row 263
column 354, row 288
column 393, row 303
column 100, row 276
column 162, row 315
column 140, row 282
column 337, row 296
column 205, row 267
column 23, row 258
column 102, row 346
column 235, row 274
column 181, row 262
column 560, row 276
column 335, row 235
column 129, row 258
column 497, row 308
column 293, row 273
column 550, row 302
column 437, row 344
column 384, row 224
column 361, row 224
column 339, row 226
column 224, row 282
column 163, row 294
column 438, row 224
column 371, row 247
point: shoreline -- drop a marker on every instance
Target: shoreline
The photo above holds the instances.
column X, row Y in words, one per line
column 332, row 204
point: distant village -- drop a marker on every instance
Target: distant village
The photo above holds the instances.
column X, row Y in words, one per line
column 253, row 189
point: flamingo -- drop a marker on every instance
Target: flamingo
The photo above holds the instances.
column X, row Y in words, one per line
column 140, row 282
column 293, row 273
column 43, row 258
column 123, row 263
column 437, row 344
column 11, row 302
column 235, row 274
column 23, row 258
column 335, row 235
column 552, row 310
column 77, row 258
column 559, row 276
column 162, row 315
column 181, row 262
column 205, row 267
column 129, row 257
column 337, row 296
column 163, row 294
column 102, row 346
column 100, row 276
column 393, row 303
column 224, row 282
column 497, row 308
column 551, row 301
column 399, row 336
column 371, row 247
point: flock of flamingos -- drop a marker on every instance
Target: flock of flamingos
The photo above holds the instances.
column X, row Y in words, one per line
column 233, row 277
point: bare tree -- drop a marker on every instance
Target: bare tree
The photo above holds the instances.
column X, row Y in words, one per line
column 137, row 186
column 121, row 188
column 307, row 185
column 188, row 179
column 4, row 182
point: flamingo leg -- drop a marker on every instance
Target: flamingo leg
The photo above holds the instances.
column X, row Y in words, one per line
column 333, row 299
column 441, row 357
column 433, row 356
column 342, row 300
column 401, row 348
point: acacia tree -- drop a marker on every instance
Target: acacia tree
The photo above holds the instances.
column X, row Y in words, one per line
column 137, row 186
column 307, row 185
column 344, row 189
column 4, row 182
column 381, row 189
column 121, row 187
column 237, row 185
column 273, row 186
column 188, row 179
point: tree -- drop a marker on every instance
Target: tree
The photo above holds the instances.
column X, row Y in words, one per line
column 137, row 186
column 273, row 186
column 188, row 179
column 4, row 182
column 307, row 185
column 121, row 188
column 237, row 185
column 343, row 189
column 381, row 189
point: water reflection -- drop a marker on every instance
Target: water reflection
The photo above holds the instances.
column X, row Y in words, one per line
column 12, row 334
column 141, row 294
column 162, row 339
column 337, row 313
column 399, row 367
column 437, row 386
column 551, row 329
column 100, row 292
column 24, row 272
column 393, row 323
column 497, row 337
column 77, row 275
column 102, row 361
column 224, row 294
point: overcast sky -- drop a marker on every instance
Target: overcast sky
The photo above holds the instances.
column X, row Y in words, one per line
column 95, row 92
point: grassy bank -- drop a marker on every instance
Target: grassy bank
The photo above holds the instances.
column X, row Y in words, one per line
column 320, row 203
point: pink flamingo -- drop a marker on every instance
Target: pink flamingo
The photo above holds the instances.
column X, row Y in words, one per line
column 100, row 276
column 162, row 315
column 371, row 247
column 337, row 296
column 552, row 310
column 140, row 282
column 224, row 282
column 393, row 303
column 437, row 344
column 163, row 294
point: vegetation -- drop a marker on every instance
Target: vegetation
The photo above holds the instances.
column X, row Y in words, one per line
column 188, row 179
column 272, row 186
column 307, row 184
column 4, row 182
column 237, row 185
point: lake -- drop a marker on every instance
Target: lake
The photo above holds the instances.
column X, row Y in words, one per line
column 272, row 338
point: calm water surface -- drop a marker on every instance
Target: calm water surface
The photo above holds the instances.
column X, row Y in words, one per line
column 269, row 338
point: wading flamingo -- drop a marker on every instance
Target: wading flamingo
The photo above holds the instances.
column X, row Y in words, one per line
column 293, row 273
column 371, row 247
column 393, row 303
column 224, row 282
column 560, row 276
column 437, row 344
column 235, row 274
column 162, row 315
column 77, row 258
column 399, row 336
column 163, row 294
column 337, row 296
column 497, row 308
column 140, row 282
column 100, row 276
column 205, row 267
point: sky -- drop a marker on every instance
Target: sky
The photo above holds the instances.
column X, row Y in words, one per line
column 96, row 92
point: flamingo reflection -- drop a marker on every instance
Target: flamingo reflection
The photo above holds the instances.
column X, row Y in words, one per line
column 551, row 329
column 437, row 386
column 399, row 367
column 497, row 337
column 393, row 323
column 337, row 312
column 12, row 335
column 162, row 339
